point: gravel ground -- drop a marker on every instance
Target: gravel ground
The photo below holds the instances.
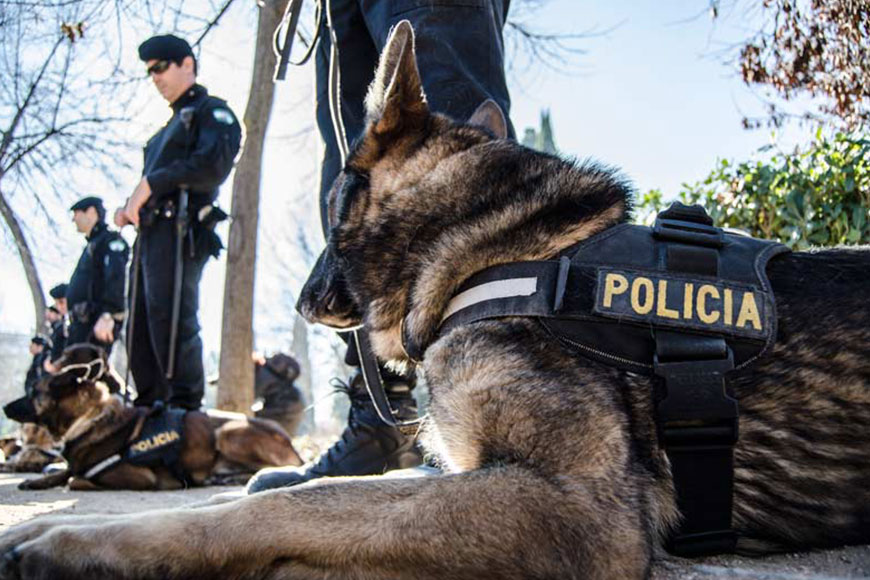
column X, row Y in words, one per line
column 18, row 506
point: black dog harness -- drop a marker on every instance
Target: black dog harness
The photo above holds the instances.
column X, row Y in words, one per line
column 684, row 301
column 155, row 440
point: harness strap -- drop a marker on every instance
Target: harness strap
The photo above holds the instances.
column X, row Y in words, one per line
column 697, row 418
column 111, row 460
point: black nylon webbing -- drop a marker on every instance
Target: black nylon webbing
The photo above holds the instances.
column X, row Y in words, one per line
column 697, row 417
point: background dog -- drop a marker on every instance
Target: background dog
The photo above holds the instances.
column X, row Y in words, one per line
column 76, row 405
column 280, row 398
column 30, row 451
column 552, row 465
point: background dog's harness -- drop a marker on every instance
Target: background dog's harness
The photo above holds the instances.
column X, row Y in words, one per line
column 684, row 301
column 154, row 440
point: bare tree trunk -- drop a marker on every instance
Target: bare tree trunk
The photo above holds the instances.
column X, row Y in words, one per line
column 300, row 352
column 236, row 383
column 26, row 261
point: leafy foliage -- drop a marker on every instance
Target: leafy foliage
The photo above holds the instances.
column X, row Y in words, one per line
column 816, row 197
column 815, row 47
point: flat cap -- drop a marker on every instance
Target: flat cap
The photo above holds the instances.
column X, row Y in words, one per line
column 58, row 291
column 86, row 202
column 41, row 340
column 164, row 47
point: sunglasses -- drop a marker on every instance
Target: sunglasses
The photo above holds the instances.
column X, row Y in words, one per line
column 158, row 67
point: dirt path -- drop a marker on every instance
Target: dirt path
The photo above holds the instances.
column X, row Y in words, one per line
column 18, row 506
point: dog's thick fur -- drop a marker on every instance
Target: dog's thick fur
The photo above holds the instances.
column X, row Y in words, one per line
column 217, row 447
column 552, row 465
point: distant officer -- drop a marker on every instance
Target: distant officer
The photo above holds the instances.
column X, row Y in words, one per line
column 57, row 322
column 195, row 152
column 40, row 348
column 95, row 295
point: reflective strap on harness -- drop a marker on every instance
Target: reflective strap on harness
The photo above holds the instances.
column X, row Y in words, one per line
column 697, row 418
column 102, row 466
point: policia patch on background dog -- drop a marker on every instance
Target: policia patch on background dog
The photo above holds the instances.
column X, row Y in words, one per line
column 159, row 440
column 681, row 301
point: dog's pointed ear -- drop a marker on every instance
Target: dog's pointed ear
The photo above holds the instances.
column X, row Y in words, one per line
column 490, row 116
column 395, row 99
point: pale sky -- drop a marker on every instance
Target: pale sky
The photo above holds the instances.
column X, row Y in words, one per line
column 651, row 95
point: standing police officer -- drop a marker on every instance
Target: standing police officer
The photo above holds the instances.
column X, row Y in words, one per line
column 40, row 348
column 186, row 159
column 95, row 296
column 56, row 320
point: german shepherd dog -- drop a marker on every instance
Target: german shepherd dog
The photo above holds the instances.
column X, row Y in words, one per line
column 30, row 451
column 76, row 406
column 551, row 463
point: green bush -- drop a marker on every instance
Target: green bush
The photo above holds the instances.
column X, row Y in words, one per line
column 819, row 196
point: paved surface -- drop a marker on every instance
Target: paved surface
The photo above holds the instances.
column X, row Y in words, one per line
column 18, row 506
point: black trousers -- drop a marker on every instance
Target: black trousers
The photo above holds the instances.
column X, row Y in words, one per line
column 153, row 318
column 460, row 54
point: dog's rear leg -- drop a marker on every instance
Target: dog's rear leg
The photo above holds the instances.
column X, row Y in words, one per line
column 256, row 444
column 504, row 523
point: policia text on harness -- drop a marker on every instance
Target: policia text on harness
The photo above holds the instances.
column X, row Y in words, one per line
column 683, row 301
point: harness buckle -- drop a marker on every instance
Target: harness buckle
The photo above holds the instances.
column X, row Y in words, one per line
column 696, row 397
column 698, row 427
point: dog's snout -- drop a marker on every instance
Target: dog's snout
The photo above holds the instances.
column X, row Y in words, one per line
column 325, row 299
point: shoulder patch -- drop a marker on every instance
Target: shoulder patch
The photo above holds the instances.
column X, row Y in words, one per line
column 223, row 116
column 117, row 245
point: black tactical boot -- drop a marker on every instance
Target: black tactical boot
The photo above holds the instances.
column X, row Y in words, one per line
column 368, row 446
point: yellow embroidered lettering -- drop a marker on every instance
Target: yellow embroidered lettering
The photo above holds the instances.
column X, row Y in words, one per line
column 613, row 284
column 705, row 315
column 648, row 297
column 727, row 307
column 662, row 302
column 749, row 312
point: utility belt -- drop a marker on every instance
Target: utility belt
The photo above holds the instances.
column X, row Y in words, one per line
column 82, row 312
column 202, row 218
column 87, row 313
column 683, row 301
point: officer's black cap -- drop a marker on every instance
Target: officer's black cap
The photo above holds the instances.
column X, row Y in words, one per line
column 87, row 202
column 164, row 47
column 58, row 291
column 41, row 340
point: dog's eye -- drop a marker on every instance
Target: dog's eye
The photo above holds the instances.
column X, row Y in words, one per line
column 352, row 183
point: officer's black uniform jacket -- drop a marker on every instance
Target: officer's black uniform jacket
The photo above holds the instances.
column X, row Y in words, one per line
column 202, row 159
column 34, row 373
column 58, row 338
column 97, row 285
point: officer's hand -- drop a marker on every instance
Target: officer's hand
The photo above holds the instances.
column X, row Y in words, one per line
column 137, row 200
column 104, row 327
column 121, row 217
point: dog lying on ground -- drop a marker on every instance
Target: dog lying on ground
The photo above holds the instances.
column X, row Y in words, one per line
column 30, row 451
column 110, row 445
column 552, row 464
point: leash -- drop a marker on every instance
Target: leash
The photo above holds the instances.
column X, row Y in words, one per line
column 282, row 40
